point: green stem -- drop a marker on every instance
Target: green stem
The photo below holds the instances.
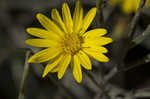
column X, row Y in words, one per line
column 25, row 73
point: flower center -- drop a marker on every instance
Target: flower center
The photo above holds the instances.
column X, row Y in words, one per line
column 70, row 43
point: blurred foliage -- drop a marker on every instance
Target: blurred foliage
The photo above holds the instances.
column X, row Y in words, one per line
column 117, row 78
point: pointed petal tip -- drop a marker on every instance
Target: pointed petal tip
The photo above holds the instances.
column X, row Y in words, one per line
column 38, row 15
column 94, row 9
column 89, row 68
column 106, row 60
column 53, row 10
column 111, row 40
column 59, row 76
column 28, row 30
column 44, row 75
column 27, row 41
column 64, row 4
column 105, row 30
column 79, row 80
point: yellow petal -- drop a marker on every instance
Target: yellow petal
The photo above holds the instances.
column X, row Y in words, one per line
column 135, row 5
column 95, row 48
column 56, row 69
column 51, row 65
column 88, row 20
column 128, row 6
column 84, row 60
column 77, row 17
column 48, row 24
column 77, row 72
column 41, row 43
column 97, row 56
column 56, row 17
column 98, row 41
column 44, row 55
column 95, row 33
column 64, row 64
column 67, row 17
column 147, row 3
column 42, row 33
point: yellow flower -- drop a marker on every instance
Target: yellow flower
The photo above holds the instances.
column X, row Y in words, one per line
column 129, row 6
column 67, row 42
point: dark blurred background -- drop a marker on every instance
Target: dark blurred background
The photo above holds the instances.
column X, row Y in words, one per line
column 16, row 15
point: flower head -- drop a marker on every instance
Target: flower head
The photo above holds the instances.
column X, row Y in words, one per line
column 129, row 6
column 66, row 41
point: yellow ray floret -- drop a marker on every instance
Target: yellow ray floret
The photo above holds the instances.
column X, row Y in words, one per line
column 76, row 69
column 88, row 20
column 51, row 65
column 56, row 17
column 67, row 17
column 77, row 17
column 67, row 41
column 84, row 60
